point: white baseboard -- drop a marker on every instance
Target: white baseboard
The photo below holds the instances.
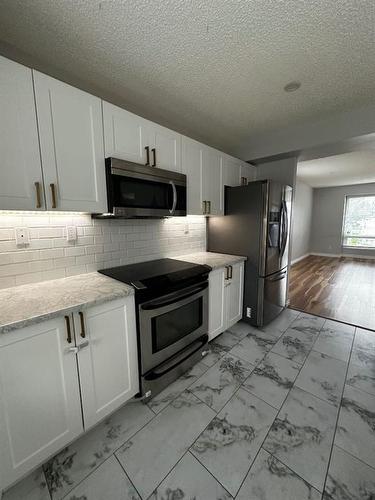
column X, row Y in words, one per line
column 294, row 261
column 351, row 255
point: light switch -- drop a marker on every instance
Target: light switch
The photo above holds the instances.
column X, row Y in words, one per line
column 22, row 236
column 71, row 233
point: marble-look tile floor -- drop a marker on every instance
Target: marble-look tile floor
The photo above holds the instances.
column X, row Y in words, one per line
column 284, row 412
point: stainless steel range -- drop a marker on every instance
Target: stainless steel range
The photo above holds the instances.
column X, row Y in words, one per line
column 172, row 318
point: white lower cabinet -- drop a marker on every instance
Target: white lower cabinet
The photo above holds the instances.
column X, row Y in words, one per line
column 40, row 408
column 108, row 365
column 47, row 384
column 225, row 298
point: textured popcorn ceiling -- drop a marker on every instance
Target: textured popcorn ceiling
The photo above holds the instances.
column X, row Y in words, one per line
column 212, row 69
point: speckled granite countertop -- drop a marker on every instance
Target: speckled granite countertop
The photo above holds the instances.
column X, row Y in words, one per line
column 215, row 260
column 27, row 304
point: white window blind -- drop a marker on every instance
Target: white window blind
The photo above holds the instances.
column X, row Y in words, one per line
column 359, row 222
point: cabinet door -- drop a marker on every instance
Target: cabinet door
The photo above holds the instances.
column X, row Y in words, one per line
column 19, row 145
column 40, row 409
column 125, row 134
column 231, row 174
column 216, row 303
column 248, row 171
column 234, row 295
column 192, row 168
column 212, row 180
column 167, row 144
column 71, row 141
column 108, row 365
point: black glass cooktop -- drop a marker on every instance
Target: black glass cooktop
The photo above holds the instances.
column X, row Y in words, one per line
column 158, row 276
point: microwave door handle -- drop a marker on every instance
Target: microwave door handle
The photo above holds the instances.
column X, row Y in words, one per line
column 172, row 210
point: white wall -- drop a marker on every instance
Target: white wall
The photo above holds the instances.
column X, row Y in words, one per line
column 101, row 244
column 302, row 218
column 283, row 171
column 328, row 212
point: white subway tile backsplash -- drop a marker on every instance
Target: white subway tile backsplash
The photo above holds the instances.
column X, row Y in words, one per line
column 100, row 244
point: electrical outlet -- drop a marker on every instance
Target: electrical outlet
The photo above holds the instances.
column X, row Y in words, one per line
column 22, row 236
column 71, row 233
column 248, row 312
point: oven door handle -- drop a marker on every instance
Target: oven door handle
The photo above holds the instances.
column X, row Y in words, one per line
column 177, row 359
column 156, row 304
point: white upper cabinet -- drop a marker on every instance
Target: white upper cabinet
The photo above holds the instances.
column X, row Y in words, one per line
column 192, row 152
column 40, row 410
column 71, row 142
column 130, row 137
column 19, row 148
column 165, row 148
column 212, row 180
column 248, row 172
column 202, row 166
column 231, row 171
column 126, row 135
column 231, row 174
column 107, row 357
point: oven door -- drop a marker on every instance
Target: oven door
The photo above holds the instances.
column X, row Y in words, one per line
column 170, row 323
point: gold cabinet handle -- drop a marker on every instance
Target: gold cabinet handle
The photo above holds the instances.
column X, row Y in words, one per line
column 38, row 195
column 154, row 156
column 53, row 195
column 68, row 330
column 209, row 207
column 226, row 272
column 147, row 148
column 230, row 272
column 82, row 320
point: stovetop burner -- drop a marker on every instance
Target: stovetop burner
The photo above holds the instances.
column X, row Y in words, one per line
column 158, row 277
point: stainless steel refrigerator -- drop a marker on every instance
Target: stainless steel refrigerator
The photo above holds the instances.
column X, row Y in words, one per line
column 256, row 224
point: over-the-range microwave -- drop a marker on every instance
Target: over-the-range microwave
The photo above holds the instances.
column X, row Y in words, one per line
column 141, row 191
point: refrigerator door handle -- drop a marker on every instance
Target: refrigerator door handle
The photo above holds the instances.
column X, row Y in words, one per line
column 279, row 277
column 285, row 227
column 281, row 228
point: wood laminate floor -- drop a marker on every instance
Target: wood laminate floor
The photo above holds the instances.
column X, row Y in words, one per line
column 339, row 288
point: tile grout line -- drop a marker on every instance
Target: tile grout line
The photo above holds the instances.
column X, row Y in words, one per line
column 112, row 453
column 236, row 391
column 126, row 474
column 339, row 411
column 261, row 446
column 156, row 414
column 355, row 458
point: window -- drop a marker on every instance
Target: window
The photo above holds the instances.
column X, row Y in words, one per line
column 359, row 222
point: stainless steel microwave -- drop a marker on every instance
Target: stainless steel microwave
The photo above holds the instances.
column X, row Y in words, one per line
column 142, row 191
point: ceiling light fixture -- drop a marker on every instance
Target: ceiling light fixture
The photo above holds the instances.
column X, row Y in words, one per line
column 292, row 86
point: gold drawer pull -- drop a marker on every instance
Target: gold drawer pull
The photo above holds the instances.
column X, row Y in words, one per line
column 82, row 319
column 38, row 195
column 53, row 195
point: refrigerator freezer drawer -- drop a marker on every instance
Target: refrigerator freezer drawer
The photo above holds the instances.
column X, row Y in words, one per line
column 275, row 295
